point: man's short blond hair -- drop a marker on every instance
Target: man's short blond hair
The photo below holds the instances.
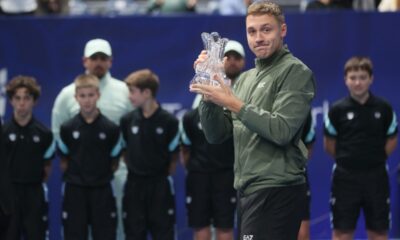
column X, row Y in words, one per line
column 86, row 81
column 262, row 7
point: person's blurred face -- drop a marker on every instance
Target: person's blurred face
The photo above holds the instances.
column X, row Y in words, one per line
column 358, row 83
column 264, row 34
column 233, row 65
column 98, row 64
column 22, row 103
column 54, row 6
column 87, row 99
column 138, row 97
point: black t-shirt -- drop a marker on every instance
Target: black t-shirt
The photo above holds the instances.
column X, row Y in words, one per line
column 360, row 131
column 26, row 149
column 90, row 149
column 5, row 186
column 204, row 157
column 149, row 142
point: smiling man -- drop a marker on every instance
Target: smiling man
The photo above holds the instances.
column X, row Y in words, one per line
column 268, row 105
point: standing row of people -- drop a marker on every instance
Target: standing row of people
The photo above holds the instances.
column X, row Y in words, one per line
column 260, row 121
column 85, row 120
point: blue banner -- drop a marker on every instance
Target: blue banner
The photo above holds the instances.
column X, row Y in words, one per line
column 51, row 50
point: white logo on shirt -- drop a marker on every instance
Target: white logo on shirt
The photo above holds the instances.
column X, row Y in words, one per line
column 261, row 85
column 377, row 115
column 199, row 126
column 75, row 134
column 170, row 211
column 102, row 136
column 247, row 237
column 135, row 129
column 159, row 130
column 12, row 137
column 350, row 115
column 36, row 139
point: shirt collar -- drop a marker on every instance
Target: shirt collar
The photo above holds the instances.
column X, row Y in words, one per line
column 262, row 63
column 27, row 125
column 105, row 79
column 152, row 116
column 370, row 100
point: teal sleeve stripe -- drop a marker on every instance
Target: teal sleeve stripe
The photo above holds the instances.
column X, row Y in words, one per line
column 184, row 136
column 62, row 146
column 329, row 127
column 174, row 143
column 171, row 185
column 63, row 189
column 113, row 187
column 45, row 192
column 393, row 125
column 123, row 143
column 117, row 148
column 310, row 135
column 51, row 150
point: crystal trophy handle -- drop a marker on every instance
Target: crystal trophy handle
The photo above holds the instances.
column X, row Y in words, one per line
column 213, row 65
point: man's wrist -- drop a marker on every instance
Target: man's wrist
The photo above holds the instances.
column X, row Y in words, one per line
column 235, row 105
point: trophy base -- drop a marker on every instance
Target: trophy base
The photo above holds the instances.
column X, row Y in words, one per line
column 201, row 78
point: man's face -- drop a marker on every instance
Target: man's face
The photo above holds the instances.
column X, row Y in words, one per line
column 358, row 82
column 234, row 64
column 87, row 99
column 22, row 103
column 264, row 34
column 98, row 64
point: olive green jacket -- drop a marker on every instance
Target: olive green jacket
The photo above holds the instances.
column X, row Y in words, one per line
column 268, row 150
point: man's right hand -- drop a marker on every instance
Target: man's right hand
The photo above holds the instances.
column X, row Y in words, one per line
column 63, row 164
column 201, row 58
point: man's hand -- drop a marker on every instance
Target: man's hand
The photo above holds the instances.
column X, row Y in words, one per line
column 64, row 164
column 221, row 95
column 201, row 58
column 172, row 164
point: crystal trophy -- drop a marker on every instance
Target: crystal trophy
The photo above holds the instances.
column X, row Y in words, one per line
column 213, row 65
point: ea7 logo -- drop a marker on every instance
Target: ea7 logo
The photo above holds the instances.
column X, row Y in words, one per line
column 247, row 237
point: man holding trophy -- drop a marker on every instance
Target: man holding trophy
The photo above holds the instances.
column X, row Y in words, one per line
column 269, row 105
